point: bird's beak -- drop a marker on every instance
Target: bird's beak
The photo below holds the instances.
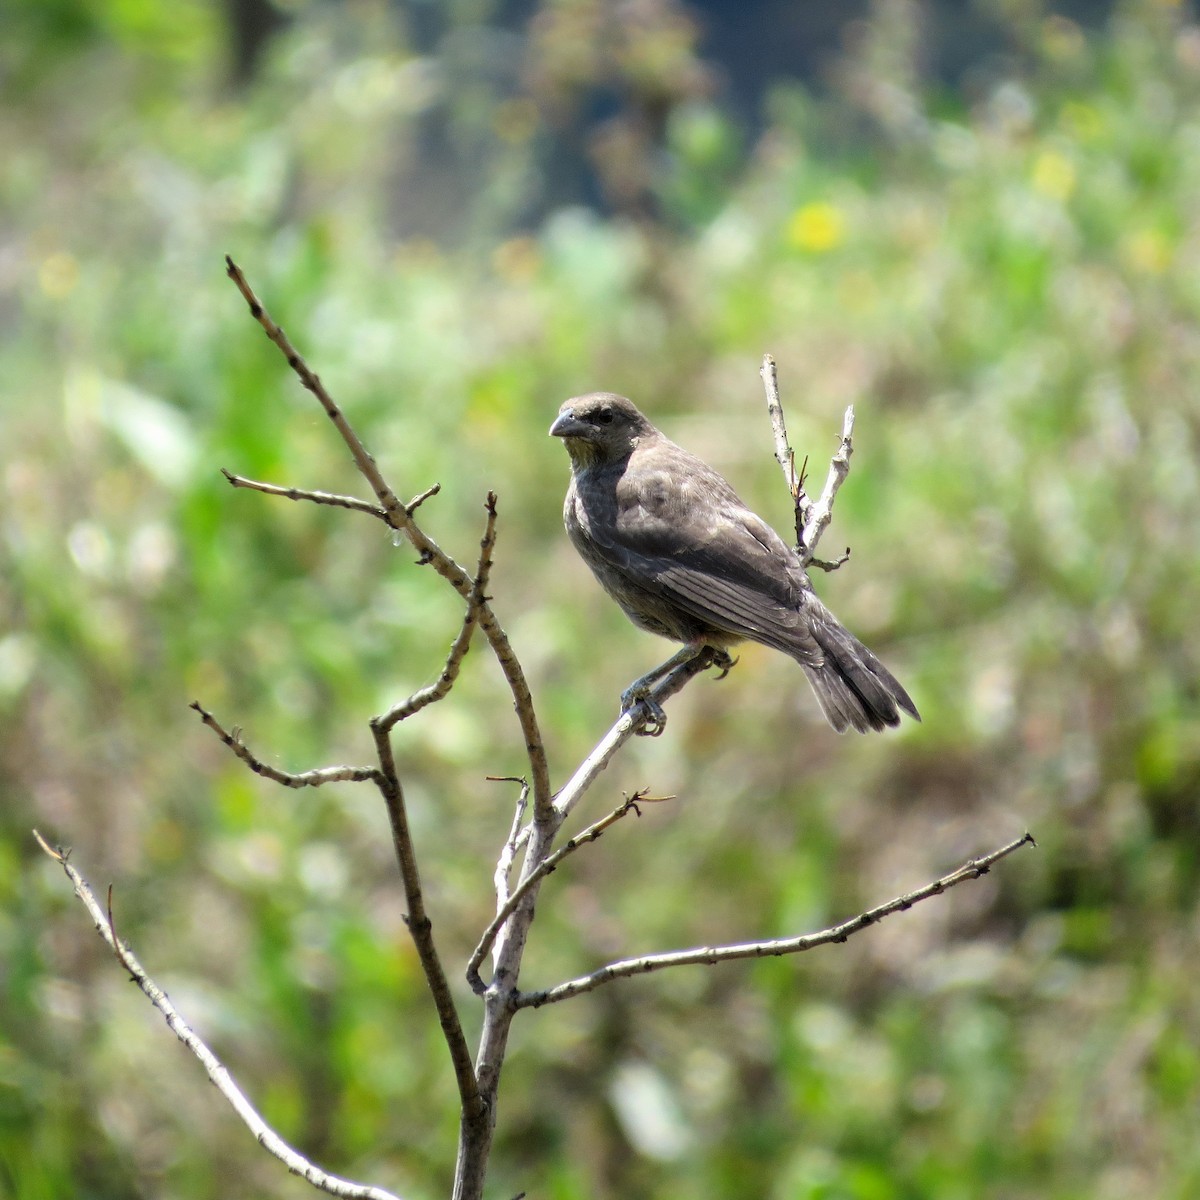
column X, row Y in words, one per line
column 565, row 425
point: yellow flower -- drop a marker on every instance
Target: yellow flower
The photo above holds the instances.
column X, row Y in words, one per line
column 1054, row 175
column 1147, row 250
column 817, row 227
column 58, row 275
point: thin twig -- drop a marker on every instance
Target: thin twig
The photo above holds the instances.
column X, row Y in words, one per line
column 508, row 852
column 462, row 643
column 322, row 775
column 400, row 518
column 544, row 868
column 313, row 497
column 820, row 513
column 831, row 564
column 217, row 1072
column 416, row 502
column 331, row 498
column 626, row 968
column 785, row 456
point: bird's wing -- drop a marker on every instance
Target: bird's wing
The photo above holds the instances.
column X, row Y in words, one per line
column 676, row 528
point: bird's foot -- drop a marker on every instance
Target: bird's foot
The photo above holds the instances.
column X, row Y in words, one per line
column 654, row 720
column 722, row 660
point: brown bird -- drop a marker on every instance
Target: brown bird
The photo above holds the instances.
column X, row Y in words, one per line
column 675, row 547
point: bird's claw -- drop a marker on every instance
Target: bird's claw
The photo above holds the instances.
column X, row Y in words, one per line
column 722, row 660
column 654, row 720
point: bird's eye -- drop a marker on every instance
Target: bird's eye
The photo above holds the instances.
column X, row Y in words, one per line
column 603, row 416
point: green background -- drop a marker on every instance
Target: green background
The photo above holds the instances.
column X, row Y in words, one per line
column 1004, row 280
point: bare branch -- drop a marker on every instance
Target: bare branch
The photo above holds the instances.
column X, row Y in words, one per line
column 399, row 517
column 217, row 1072
column 831, row 564
column 820, row 513
column 514, row 674
column 315, row 778
column 416, row 502
column 785, row 456
column 462, row 643
column 419, row 924
column 330, row 498
column 508, row 853
column 544, row 868
column 292, row 493
column 626, row 968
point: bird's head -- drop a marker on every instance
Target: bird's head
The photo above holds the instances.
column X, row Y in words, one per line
column 600, row 427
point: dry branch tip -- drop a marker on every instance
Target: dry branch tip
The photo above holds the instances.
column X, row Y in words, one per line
column 831, row 564
column 642, row 796
column 419, row 499
column 60, row 854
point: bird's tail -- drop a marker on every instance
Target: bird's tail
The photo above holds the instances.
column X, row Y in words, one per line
column 853, row 687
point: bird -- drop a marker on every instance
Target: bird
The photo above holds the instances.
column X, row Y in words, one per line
column 673, row 544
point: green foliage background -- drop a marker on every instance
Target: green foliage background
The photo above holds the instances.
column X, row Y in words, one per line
column 1009, row 292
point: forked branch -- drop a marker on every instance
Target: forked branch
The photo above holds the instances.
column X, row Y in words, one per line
column 399, row 517
column 548, row 864
column 812, row 517
column 462, row 642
